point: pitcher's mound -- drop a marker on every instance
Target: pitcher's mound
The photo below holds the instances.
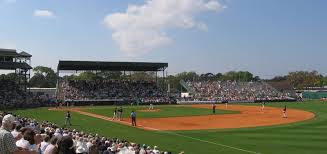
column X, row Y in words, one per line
column 147, row 110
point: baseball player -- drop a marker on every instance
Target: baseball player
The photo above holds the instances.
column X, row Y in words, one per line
column 151, row 107
column 120, row 113
column 263, row 106
column 213, row 108
column 68, row 117
column 115, row 114
column 133, row 117
column 285, row 112
column 226, row 103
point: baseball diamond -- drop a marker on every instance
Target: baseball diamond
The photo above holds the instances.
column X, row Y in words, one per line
column 163, row 77
column 245, row 128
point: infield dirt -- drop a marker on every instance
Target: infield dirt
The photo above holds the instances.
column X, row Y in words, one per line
column 249, row 116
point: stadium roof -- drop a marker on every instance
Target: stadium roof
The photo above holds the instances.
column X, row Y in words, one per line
column 8, row 52
column 24, row 54
column 13, row 53
column 14, row 65
column 111, row 66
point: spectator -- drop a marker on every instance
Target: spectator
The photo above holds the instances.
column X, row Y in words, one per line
column 235, row 91
column 52, row 148
column 7, row 141
column 99, row 89
column 44, row 144
column 65, row 145
column 27, row 142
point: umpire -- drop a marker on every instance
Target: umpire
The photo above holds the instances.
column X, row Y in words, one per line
column 133, row 116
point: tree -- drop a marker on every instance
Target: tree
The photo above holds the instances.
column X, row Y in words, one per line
column 148, row 76
column 207, row 76
column 110, row 74
column 219, row 76
column 278, row 78
column 44, row 77
column 38, row 80
column 11, row 76
column 256, row 78
column 86, row 76
column 244, row 76
column 187, row 76
column 302, row 79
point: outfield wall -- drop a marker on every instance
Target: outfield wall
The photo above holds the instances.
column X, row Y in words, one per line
column 246, row 101
column 108, row 102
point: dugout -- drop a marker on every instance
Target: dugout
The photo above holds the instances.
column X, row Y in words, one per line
column 126, row 68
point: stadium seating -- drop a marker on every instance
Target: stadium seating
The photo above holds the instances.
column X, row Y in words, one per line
column 12, row 96
column 236, row 91
column 47, row 135
column 145, row 91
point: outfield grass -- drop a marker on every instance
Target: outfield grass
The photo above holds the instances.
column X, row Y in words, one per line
column 165, row 111
column 309, row 137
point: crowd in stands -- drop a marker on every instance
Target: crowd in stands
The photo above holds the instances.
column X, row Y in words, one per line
column 47, row 138
column 13, row 96
column 145, row 91
column 235, row 91
column 10, row 94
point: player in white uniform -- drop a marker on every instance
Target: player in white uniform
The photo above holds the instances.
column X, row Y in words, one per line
column 263, row 106
column 151, row 107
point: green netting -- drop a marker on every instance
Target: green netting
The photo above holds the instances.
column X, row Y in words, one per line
column 314, row 95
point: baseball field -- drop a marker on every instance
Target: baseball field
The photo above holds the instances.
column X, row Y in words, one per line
column 236, row 129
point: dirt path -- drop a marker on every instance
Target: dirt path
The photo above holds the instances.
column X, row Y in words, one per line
column 249, row 116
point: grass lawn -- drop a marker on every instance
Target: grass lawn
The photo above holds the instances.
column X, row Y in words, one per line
column 309, row 137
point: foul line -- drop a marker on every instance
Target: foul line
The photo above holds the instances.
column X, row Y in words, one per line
column 218, row 144
column 168, row 132
column 189, row 137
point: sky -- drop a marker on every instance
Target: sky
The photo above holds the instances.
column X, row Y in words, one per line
column 265, row 37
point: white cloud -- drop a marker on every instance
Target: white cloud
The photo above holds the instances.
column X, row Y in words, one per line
column 44, row 13
column 142, row 28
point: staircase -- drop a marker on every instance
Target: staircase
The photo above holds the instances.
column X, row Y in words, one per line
column 187, row 87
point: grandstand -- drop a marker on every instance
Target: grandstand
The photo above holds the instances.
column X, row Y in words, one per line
column 109, row 91
column 13, row 91
column 235, row 91
column 18, row 62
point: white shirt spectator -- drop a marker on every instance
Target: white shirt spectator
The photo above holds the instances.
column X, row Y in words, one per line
column 15, row 133
column 26, row 145
column 43, row 146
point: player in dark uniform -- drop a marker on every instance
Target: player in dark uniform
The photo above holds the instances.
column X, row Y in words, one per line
column 57, row 103
column 285, row 112
column 226, row 103
column 133, row 117
column 68, row 117
column 120, row 113
column 213, row 108
column 115, row 114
